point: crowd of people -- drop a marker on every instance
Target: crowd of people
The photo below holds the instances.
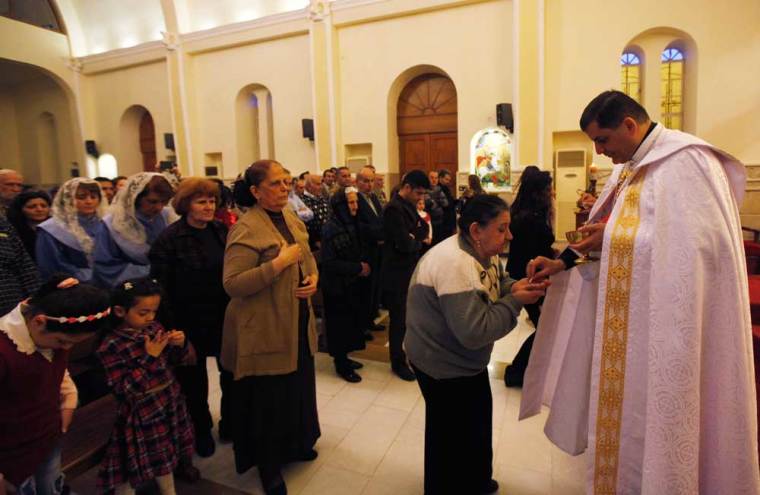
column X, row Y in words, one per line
column 191, row 269
column 162, row 274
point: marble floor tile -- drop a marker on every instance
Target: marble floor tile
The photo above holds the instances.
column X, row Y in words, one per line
column 335, row 481
column 366, row 444
column 373, row 441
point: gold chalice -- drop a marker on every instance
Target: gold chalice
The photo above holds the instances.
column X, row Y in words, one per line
column 574, row 237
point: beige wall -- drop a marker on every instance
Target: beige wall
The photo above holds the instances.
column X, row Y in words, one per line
column 471, row 43
column 582, row 54
column 283, row 67
column 49, row 52
column 40, row 141
column 364, row 52
column 9, row 152
column 106, row 98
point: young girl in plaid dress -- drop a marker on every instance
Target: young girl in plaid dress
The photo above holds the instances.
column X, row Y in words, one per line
column 152, row 434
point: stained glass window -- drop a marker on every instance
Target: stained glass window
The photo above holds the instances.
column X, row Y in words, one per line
column 671, row 79
column 630, row 68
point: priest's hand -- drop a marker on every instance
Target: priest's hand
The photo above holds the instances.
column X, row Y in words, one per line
column 594, row 236
column 528, row 292
column 66, row 416
column 540, row 268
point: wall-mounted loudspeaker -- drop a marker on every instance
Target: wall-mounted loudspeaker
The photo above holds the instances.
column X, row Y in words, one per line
column 169, row 141
column 89, row 145
column 307, row 126
column 504, row 116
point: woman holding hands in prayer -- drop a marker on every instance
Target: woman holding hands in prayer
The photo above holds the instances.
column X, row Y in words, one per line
column 269, row 336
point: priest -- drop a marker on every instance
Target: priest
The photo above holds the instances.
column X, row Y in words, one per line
column 645, row 356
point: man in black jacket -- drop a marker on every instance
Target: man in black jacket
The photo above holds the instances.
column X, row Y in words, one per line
column 372, row 235
column 449, row 224
column 404, row 232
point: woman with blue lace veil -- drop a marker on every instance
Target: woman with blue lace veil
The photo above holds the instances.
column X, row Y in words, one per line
column 66, row 241
column 138, row 214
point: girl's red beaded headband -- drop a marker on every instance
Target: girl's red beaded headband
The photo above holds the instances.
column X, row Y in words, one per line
column 80, row 319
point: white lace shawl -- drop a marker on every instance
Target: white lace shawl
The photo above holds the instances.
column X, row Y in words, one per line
column 123, row 215
column 65, row 211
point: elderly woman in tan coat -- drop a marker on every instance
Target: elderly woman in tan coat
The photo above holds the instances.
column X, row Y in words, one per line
column 269, row 336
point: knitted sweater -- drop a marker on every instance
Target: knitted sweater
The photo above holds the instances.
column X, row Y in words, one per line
column 457, row 307
column 35, row 387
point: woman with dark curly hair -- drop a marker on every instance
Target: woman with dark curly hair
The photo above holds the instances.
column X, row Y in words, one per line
column 27, row 211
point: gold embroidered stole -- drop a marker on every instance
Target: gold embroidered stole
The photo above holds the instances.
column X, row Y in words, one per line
column 615, row 339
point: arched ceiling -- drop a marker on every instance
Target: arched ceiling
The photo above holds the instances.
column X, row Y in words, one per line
column 97, row 26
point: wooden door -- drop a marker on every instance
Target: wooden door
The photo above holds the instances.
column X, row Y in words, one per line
column 427, row 152
column 427, row 124
column 148, row 142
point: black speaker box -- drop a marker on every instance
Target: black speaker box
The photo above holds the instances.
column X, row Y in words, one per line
column 307, row 126
column 91, row 148
column 169, row 141
column 504, row 116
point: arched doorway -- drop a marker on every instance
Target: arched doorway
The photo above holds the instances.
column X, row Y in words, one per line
column 427, row 124
column 137, row 143
column 148, row 142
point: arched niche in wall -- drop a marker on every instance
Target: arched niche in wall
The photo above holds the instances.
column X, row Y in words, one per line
column 253, row 125
column 422, row 121
column 652, row 43
column 48, row 152
column 39, row 128
column 137, row 141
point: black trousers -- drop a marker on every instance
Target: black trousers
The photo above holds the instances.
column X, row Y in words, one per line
column 370, row 293
column 458, row 446
column 193, row 380
column 395, row 302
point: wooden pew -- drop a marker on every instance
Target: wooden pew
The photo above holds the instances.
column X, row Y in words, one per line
column 85, row 442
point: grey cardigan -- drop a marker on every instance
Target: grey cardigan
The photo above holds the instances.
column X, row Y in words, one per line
column 457, row 307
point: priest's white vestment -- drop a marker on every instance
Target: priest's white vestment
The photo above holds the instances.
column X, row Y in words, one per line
column 645, row 357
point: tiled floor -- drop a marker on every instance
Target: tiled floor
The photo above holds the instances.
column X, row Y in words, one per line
column 373, row 439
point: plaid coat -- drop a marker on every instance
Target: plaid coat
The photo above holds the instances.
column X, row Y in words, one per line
column 152, row 431
column 18, row 273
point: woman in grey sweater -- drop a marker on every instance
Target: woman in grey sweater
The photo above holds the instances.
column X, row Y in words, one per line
column 460, row 302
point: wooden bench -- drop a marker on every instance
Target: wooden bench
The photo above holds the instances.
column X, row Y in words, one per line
column 85, row 442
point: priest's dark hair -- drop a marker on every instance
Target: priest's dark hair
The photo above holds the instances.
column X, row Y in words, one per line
column 480, row 209
column 610, row 108
column 81, row 300
column 253, row 176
